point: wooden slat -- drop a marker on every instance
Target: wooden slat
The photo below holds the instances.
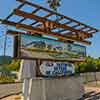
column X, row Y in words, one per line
column 32, row 13
column 48, row 15
column 68, row 22
column 58, row 19
column 9, row 16
column 36, row 10
column 82, row 28
column 34, row 23
column 61, row 30
column 21, row 20
column 43, row 20
column 20, row 6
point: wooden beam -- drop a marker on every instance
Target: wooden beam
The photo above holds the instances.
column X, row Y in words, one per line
column 31, row 13
column 51, row 23
column 16, row 33
column 72, row 60
column 54, row 34
column 43, row 32
column 16, row 46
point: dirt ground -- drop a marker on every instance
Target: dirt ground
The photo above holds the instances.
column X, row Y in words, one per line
column 15, row 97
column 89, row 89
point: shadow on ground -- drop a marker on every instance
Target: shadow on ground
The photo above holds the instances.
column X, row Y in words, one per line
column 91, row 96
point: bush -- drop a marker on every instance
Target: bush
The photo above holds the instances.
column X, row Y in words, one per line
column 6, row 80
column 90, row 65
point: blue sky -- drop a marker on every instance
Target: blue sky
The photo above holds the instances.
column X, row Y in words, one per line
column 86, row 11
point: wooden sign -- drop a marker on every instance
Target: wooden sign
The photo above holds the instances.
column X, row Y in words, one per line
column 35, row 47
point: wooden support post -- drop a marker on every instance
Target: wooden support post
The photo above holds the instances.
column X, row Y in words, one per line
column 16, row 46
column 38, row 62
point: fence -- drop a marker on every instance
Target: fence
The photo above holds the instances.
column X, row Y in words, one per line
column 90, row 77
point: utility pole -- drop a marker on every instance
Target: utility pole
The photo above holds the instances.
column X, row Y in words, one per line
column 5, row 44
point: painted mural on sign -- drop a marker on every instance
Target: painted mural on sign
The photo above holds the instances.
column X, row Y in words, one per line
column 48, row 68
column 44, row 48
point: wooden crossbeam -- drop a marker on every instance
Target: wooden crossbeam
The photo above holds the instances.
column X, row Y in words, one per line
column 43, row 32
column 54, row 34
column 50, row 23
column 14, row 33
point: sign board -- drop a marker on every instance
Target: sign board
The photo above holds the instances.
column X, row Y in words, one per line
column 53, row 69
column 36, row 47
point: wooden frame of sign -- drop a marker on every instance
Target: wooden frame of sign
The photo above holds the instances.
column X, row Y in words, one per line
column 17, row 53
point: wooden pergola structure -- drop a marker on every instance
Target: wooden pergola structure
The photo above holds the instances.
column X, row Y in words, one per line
column 39, row 20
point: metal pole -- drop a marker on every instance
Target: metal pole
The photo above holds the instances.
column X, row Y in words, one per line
column 95, row 78
column 5, row 43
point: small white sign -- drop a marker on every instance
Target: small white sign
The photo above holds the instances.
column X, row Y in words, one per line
column 48, row 68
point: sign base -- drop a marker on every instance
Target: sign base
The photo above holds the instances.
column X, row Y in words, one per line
column 56, row 89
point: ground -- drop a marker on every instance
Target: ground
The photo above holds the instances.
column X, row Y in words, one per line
column 15, row 97
column 92, row 92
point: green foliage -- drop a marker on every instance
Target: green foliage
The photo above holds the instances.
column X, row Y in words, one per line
column 6, row 79
column 90, row 65
column 54, row 4
column 14, row 66
column 6, row 71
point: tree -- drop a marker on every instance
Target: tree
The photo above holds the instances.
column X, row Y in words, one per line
column 97, row 63
column 54, row 4
column 90, row 65
column 14, row 66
